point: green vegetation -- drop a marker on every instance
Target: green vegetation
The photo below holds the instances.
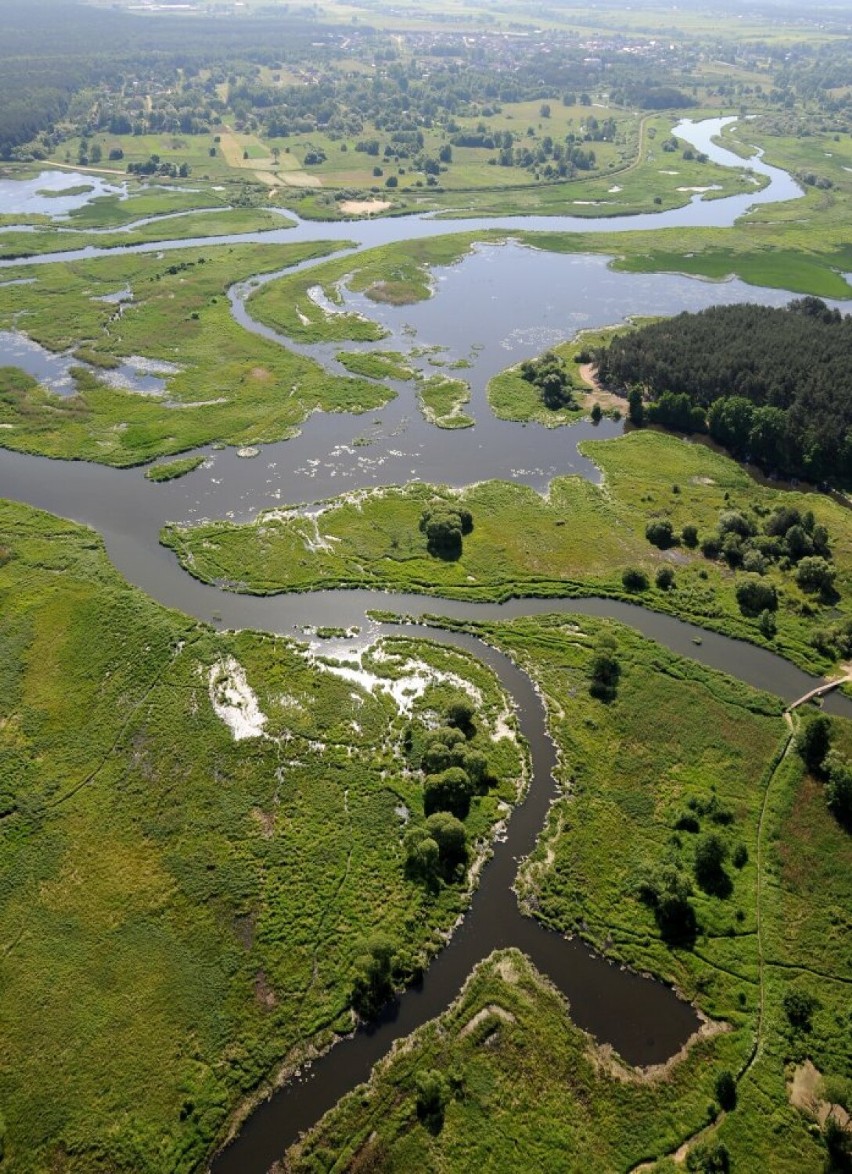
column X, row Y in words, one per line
column 654, row 486
column 231, row 386
column 183, row 912
column 719, row 799
column 376, row 364
column 171, row 470
column 771, row 385
column 441, row 400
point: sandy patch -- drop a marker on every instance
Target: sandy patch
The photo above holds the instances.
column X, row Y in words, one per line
column 606, row 399
column 805, row 1092
column 233, row 700
column 364, row 207
column 713, row 187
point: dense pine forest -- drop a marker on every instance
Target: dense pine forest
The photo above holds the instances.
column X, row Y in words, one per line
column 774, row 386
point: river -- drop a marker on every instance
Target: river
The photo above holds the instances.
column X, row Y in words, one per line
column 501, row 304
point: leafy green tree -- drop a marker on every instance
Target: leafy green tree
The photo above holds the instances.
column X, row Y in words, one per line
column 433, row 1094
column 450, row 790
column 450, row 836
column 634, row 579
column 665, row 578
column 605, row 669
column 444, row 526
column 755, row 595
column 422, row 856
column 710, row 856
column 635, row 407
column 372, row 984
column 799, row 1008
column 460, row 714
column 660, row 532
column 815, row 575
column 813, row 742
column 711, row 1158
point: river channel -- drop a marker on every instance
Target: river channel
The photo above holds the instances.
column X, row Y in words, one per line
column 525, row 299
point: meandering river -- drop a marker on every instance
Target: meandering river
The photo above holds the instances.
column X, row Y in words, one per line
column 510, row 302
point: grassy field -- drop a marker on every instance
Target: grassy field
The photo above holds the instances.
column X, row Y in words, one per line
column 441, row 400
column 180, row 911
column 525, row 1087
column 231, row 386
column 526, row 544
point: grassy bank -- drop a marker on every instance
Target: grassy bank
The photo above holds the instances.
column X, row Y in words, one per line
column 525, row 544
column 181, row 912
column 507, row 1049
column 230, row 386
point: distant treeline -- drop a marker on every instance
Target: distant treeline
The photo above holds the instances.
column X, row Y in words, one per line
column 774, row 386
column 53, row 52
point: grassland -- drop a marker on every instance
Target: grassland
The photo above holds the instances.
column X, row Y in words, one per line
column 526, row 544
column 525, row 1086
column 231, row 386
column 441, row 400
column 180, row 911
column 171, row 470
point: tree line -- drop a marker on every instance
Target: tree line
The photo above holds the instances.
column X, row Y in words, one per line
column 773, row 386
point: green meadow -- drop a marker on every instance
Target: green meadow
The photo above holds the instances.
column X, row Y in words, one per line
column 514, row 1071
column 525, row 544
column 181, row 912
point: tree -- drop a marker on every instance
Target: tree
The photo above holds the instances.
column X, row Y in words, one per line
column 799, row 1008
column 838, row 790
column 460, row 715
column 710, row 856
column 422, row 856
column 755, row 595
column 372, row 985
column 445, row 154
column 689, row 536
column 660, row 532
column 813, row 742
column 444, row 525
column 665, row 578
column 605, row 669
column 816, row 576
column 634, row 579
column 450, row 790
column 635, row 407
column 450, row 836
column 726, row 1091
column 432, row 1096
column 668, row 891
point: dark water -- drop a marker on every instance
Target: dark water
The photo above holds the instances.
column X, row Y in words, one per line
column 499, row 306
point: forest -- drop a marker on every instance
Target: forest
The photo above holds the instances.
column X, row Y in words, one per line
column 774, row 386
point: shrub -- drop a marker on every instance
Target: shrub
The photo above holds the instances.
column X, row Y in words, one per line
column 432, row 1096
column 755, row 595
column 816, row 576
column 710, row 856
column 726, row 1091
column 450, row 836
column 372, row 985
column 813, row 742
column 448, row 791
column 799, row 1008
column 664, row 578
column 689, row 536
column 634, row 579
column 660, row 532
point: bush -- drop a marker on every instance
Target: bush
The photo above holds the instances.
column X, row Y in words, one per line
column 634, row 579
column 444, row 526
column 660, row 532
column 689, row 536
column 799, row 1008
column 755, row 595
column 664, row 578
column 450, row 790
column 726, row 1091
column 710, row 856
column 432, row 1096
column 816, row 576
column 605, row 669
column 813, row 742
